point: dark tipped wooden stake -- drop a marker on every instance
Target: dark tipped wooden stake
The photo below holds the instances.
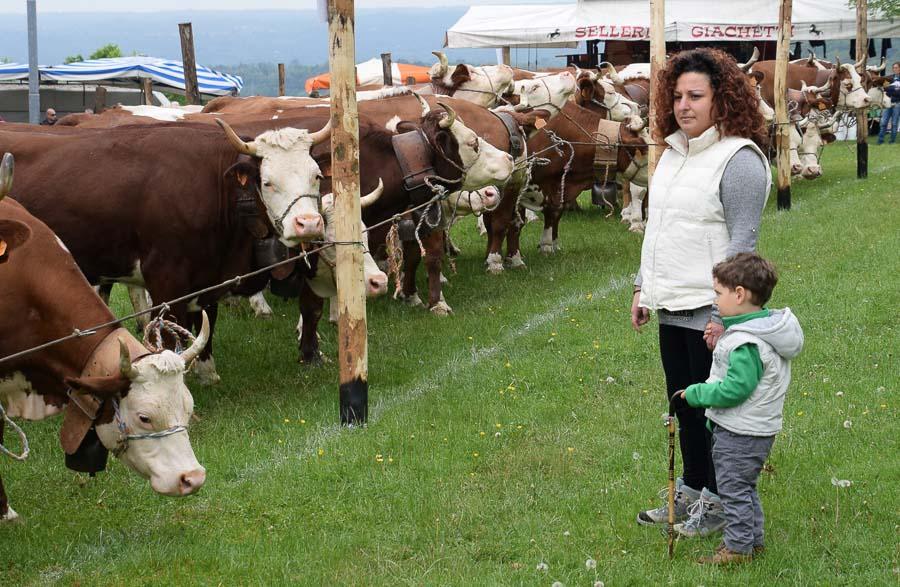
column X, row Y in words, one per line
column 191, row 90
column 281, row 79
column 387, row 72
column 99, row 99
column 670, row 427
column 782, row 134
column 862, row 117
column 352, row 330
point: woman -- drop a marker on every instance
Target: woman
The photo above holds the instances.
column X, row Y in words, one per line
column 706, row 200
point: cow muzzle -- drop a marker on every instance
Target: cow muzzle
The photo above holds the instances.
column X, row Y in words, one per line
column 812, row 172
column 308, row 227
column 376, row 284
column 179, row 485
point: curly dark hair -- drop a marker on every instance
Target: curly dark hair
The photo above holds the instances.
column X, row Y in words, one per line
column 735, row 104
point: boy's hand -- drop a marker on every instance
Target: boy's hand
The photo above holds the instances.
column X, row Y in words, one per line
column 712, row 333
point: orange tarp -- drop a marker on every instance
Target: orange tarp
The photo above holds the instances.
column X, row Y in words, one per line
column 370, row 73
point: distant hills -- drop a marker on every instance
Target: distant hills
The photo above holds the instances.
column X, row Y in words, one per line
column 231, row 37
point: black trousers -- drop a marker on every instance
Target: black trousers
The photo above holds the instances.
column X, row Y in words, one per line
column 686, row 360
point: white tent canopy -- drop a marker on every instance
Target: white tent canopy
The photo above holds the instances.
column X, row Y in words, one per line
column 629, row 20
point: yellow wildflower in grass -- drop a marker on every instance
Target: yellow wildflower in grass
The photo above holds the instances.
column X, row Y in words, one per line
column 287, row 420
column 390, row 459
column 321, row 452
column 498, row 425
column 588, row 296
column 481, row 433
column 508, row 365
column 475, row 455
column 302, row 421
column 571, row 449
column 519, row 427
column 800, row 413
column 379, row 458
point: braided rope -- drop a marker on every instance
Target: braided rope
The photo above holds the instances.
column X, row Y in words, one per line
column 395, row 258
column 15, row 428
column 153, row 332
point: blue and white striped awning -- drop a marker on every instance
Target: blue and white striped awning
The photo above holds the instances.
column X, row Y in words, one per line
column 13, row 71
column 162, row 71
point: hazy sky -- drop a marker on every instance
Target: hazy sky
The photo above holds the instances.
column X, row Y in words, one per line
column 181, row 5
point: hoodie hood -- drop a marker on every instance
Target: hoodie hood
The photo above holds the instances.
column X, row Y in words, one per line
column 780, row 328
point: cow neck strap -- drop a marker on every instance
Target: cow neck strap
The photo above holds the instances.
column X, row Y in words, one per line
column 516, row 140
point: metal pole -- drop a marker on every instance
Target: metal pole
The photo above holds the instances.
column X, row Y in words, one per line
column 34, row 92
column 505, row 54
column 387, row 72
column 862, row 118
column 657, row 64
column 281, row 79
column 782, row 130
column 191, row 90
column 352, row 330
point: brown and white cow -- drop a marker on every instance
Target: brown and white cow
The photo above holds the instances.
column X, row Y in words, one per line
column 848, row 91
column 481, row 85
column 139, row 405
column 157, row 205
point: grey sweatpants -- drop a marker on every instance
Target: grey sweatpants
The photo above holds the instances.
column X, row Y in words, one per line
column 738, row 459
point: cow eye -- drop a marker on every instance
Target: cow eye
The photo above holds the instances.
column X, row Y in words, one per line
column 145, row 419
column 267, row 183
column 474, row 145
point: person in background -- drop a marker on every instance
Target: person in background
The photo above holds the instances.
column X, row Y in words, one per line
column 891, row 114
column 49, row 118
column 706, row 201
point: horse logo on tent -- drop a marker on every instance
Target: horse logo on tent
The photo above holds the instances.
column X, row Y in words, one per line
column 553, row 35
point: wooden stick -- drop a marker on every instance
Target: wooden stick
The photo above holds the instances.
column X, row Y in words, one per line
column 191, row 90
column 147, row 89
column 352, row 335
column 670, row 424
column 387, row 73
column 782, row 130
column 657, row 64
column 281, row 79
column 862, row 115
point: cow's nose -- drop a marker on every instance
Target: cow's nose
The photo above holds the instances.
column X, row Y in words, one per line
column 309, row 226
column 377, row 285
column 490, row 198
column 796, row 169
column 191, row 481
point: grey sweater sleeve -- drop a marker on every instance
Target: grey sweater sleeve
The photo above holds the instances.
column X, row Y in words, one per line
column 742, row 192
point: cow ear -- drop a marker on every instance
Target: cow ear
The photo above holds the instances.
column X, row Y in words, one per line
column 103, row 387
column 13, row 234
column 828, row 138
column 460, row 75
column 534, row 120
column 244, row 172
column 325, row 167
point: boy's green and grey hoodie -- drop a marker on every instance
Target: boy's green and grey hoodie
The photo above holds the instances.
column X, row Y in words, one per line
column 750, row 373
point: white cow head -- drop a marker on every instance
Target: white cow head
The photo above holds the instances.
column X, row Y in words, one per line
column 549, row 92
column 476, row 202
column 480, row 85
column 324, row 284
column 812, row 142
column 290, row 179
column 155, row 410
column 767, row 111
column 853, row 95
column 483, row 163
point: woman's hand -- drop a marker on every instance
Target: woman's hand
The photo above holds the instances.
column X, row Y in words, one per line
column 639, row 315
column 712, row 333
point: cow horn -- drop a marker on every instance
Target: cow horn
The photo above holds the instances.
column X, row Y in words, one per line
column 837, row 61
column 6, row 174
column 745, row 67
column 447, row 122
column 826, row 123
column 368, row 200
column 812, row 59
column 321, row 135
column 443, row 60
column 803, row 122
column 125, row 367
column 882, row 65
column 236, row 142
column 824, row 89
column 611, row 72
column 191, row 353
column 425, row 107
column 861, row 64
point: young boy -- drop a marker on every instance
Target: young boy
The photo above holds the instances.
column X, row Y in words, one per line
column 744, row 395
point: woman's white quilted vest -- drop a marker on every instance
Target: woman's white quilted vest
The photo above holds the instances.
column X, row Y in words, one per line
column 686, row 233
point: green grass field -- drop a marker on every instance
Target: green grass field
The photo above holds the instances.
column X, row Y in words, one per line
column 525, row 429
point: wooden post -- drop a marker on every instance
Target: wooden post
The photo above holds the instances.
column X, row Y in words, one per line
column 410, row 80
column 505, row 53
column 281, row 79
column 782, row 130
column 99, row 99
column 387, row 73
column 352, row 333
column 862, row 115
column 147, row 89
column 657, row 64
column 191, row 90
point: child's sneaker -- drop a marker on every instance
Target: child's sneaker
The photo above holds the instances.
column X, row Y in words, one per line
column 707, row 516
column 684, row 497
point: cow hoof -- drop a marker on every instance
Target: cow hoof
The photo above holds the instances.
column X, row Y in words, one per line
column 441, row 309
column 515, row 262
column 482, row 230
column 261, row 308
column 546, row 248
column 11, row 516
column 316, row 359
column 494, row 264
column 637, row 227
column 556, row 246
column 205, row 372
column 530, row 216
column 230, row 301
column 413, row 301
column 626, row 216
